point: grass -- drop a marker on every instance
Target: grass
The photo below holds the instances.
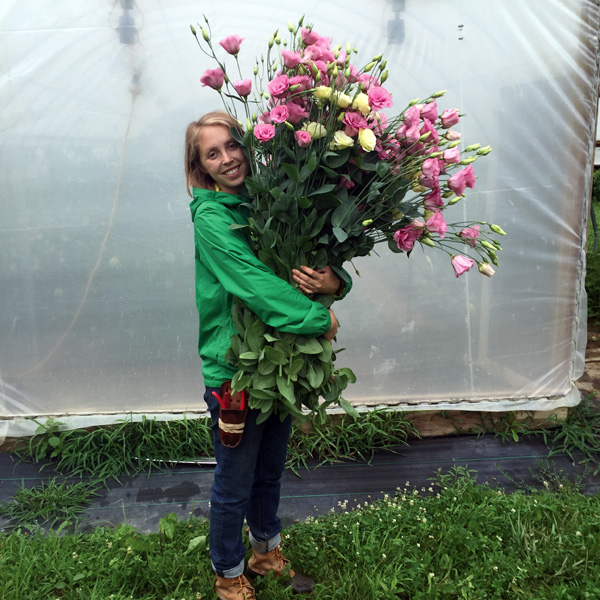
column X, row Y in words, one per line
column 48, row 504
column 455, row 539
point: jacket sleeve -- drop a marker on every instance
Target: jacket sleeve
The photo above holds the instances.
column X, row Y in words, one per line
column 227, row 254
column 345, row 287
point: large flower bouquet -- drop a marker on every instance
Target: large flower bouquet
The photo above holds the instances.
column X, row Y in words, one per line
column 331, row 176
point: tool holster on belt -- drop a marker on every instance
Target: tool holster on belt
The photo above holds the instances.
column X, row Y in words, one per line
column 232, row 416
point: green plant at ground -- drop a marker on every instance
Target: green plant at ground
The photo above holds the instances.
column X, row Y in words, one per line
column 578, row 434
column 592, row 276
column 127, row 447
column 51, row 503
column 456, row 539
column 347, row 437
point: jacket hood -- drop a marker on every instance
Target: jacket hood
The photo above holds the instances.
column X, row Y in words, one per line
column 201, row 195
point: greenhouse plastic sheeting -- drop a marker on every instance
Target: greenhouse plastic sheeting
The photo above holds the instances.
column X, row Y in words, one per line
column 96, row 242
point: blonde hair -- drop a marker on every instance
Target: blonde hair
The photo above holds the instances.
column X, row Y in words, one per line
column 195, row 174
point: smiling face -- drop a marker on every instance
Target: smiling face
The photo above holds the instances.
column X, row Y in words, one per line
column 222, row 158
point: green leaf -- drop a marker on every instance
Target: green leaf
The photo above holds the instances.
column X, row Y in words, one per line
column 336, row 159
column 315, row 375
column 304, row 202
column 254, row 335
column 286, row 389
column 308, row 345
column 237, row 314
column 275, row 356
column 240, row 381
column 382, row 168
column 324, row 189
column 342, row 214
column 197, row 543
column 327, row 352
column 348, row 407
column 340, row 234
column 249, row 355
column 263, row 394
column 167, row 525
column 295, row 367
column 263, row 416
column 292, row 171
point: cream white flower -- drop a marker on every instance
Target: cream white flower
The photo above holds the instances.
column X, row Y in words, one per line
column 367, row 139
column 361, row 103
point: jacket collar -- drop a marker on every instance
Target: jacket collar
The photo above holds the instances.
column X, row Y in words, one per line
column 201, row 195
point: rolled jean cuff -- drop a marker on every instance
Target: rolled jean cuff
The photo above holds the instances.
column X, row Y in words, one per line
column 230, row 573
column 262, row 547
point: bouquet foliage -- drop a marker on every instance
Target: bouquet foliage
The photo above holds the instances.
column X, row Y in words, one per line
column 331, row 176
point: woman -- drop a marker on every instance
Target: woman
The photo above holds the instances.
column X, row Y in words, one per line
column 247, row 477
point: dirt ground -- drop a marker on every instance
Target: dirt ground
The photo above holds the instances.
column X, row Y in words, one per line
column 590, row 381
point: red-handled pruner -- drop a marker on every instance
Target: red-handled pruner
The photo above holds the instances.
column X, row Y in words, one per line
column 222, row 400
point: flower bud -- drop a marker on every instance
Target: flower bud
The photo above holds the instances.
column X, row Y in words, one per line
column 454, row 200
column 290, row 27
column 485, row 269
column 369, row 66
column 285, row 43
column 348, row 48
column 447, row 194
column 335, row 70
column 193, row 30
column 454, row 144
column 377, row 58
column 497, row 229
column 271, row 41
column 248, row 125
column 425, row 136
column 435, row 154
column 367, row 222
column 266, row 95
column 493, row 257
column 484, row 151
column 419, row 189
column 487, row 245
column 438, row 94
column 254, row 118
column 256, row 69
column 468, row 160
column 425, row 239
column 278, row 40
column 205, row 34
column 384, row 76
column 293, row 88
column 300, row 21
column 289, row 125
column 413, row 102
column 472, row 147
column 347, row 73
column 383, row 65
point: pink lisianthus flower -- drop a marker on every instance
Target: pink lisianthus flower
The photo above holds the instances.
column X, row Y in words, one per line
column 436, row 223
column 367, row 81
column 430, row 173
column 354, row 121
column 279, row 85
column 296, row 112
column 470, row 235
column 412, row 116
column 291, row 59
column 464, row 178
column 232, row 44
column 379, row 98
column 452, row 136
column 309, row 36
column 412, row 134
column 406, row 237
column 461, row 264
column 345, row 183
column 279, row 113
column 264, row 132
column 243, row 87
column 303, row 138
column 434, row 199
column 429, row 112
column 450, row 117
column 430, row 129
column 303, row 81
column 451, row 156
column 213, row 78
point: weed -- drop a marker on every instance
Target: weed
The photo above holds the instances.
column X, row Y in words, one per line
column 48, row 504
column 347, row 437
column 578, row 434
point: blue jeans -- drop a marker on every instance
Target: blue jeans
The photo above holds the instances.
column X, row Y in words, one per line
column 247, row 484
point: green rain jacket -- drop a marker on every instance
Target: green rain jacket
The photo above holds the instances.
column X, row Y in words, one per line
column 227, row 267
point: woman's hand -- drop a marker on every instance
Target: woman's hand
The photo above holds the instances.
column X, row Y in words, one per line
column 333, row 329
column 316, row 281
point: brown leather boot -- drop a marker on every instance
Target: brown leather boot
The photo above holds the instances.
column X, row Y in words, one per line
column 261, row 564
column 234, row 588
